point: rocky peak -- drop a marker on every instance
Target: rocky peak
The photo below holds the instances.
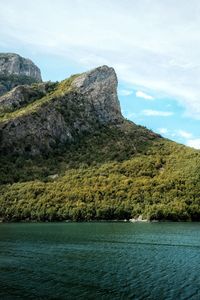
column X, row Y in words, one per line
column 100, row 87
column 38, row 118
column 14, row 64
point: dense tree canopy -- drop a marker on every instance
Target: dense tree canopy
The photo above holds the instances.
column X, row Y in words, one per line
column 116, row 172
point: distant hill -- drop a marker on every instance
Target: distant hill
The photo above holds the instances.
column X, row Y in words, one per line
column 67, row 153
column 16, row 70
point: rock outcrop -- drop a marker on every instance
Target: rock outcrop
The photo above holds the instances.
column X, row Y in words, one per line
column 100, row 88
column 22, row 95
column 16, row 70
column 79, row 104
column 14, row 64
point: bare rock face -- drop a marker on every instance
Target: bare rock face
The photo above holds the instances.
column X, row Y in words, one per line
column 100, row 88
column 74, row 107
column 14, row 64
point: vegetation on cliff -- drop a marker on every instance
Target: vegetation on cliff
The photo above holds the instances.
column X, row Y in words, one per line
column 68, row 154
column 8, row 82
column 56, row 90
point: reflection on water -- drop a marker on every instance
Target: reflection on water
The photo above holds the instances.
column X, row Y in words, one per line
column 100, row 261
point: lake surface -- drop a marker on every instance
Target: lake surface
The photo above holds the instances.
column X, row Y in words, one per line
column 100, row 261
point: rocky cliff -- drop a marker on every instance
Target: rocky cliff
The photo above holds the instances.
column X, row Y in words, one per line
column 39, row 118
column 15, row 70
column 14, row 64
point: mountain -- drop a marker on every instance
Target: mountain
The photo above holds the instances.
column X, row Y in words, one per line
column 67, row 153
column 35, row 119
column 16, row 70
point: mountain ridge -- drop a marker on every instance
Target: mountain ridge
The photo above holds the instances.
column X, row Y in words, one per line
column 80, row 103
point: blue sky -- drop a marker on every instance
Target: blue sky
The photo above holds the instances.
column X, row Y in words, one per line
column 153, row 45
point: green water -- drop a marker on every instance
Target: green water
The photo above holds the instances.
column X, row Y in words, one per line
column 100, row 261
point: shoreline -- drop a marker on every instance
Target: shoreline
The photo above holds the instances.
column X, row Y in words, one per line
column 96, row 221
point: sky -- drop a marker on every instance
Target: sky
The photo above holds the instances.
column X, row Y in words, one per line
column 153, row 45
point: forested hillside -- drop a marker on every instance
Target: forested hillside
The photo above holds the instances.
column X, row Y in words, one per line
column 67, row 153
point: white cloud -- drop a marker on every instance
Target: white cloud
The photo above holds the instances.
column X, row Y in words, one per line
column 184, row 134
column 131, row 116
column 125, row 92
column 175, row 133
column 156, row 113
column 141, row 94
column 163, row 130
column 194, row 143
column 159, row 54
